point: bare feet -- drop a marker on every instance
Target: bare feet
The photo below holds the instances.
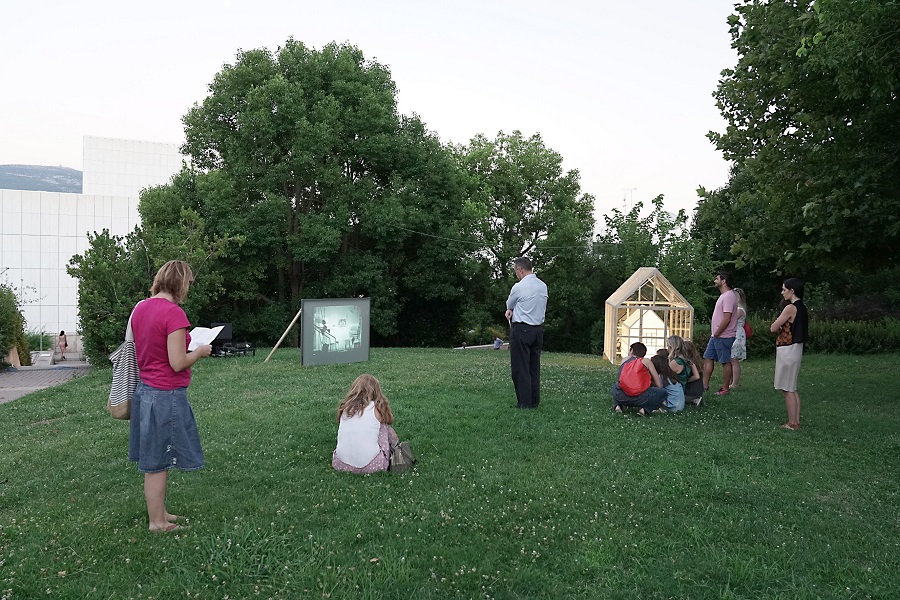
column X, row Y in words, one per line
column 166, row 528
column 791, row 426
column 173, row 518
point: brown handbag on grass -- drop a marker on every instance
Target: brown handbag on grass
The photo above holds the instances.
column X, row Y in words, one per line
column 785, row 337
column 402, row 458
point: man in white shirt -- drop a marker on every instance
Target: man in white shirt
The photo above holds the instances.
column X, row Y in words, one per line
column 525, row 310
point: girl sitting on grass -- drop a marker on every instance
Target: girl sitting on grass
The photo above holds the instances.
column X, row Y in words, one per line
column 365, row 435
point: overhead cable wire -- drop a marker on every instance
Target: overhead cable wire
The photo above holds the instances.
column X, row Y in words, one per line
column 459, row 241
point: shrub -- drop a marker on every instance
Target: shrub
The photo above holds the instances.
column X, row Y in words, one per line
column 263, row 325
column 40, row 341
column 111, row 280
column 497, row 332
column 478, row 335
column 12, row 327
column 854, row 337
column 825, row 337
column 598, row 333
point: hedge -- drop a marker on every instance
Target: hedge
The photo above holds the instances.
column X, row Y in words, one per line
column 825, row 337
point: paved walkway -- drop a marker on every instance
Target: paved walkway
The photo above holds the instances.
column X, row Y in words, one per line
column 15, row 383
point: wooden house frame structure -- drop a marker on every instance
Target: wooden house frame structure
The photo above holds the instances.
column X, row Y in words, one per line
column 646, row 308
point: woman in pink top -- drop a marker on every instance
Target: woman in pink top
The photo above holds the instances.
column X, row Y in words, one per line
column 163, row 432
column 365, row 435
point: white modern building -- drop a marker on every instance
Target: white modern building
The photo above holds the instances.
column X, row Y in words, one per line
column 41, row 231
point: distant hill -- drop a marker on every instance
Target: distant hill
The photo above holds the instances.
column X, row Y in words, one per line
column 37, row 178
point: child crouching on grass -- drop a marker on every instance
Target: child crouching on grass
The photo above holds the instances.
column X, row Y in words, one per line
column 638, row 383
column 365, row 435
column 688, row 358
column 674, row 401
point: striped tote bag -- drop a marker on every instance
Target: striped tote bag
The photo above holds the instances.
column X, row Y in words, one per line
column 125, row 376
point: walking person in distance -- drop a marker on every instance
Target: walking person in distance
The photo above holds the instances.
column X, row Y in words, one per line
column 62, row 342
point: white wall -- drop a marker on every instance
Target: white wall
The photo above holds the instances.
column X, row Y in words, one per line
column 41, row 231
column 124, row 167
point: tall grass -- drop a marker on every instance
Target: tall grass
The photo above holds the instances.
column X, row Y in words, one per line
column 569, row 501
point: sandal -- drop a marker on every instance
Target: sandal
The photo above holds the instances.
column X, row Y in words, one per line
column 791, row 426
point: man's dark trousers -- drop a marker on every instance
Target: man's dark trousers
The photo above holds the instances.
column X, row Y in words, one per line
column 525, row 344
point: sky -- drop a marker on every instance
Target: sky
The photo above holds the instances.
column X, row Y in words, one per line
column 622, row 90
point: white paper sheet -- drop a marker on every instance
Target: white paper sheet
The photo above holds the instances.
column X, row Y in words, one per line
column 201, row 336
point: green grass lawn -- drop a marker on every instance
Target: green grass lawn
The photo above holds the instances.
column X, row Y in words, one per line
column 569, row 501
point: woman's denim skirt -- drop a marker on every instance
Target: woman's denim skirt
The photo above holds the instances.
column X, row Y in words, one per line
column 163, row 432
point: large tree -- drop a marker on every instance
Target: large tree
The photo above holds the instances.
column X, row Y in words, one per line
column 658, row 239
column 115, row 272
column 525, row 204
column 523, row 199
column 303, row 153
column 306, row 136
column 813, row 127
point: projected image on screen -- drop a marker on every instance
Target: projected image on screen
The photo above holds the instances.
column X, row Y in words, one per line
column 335, row 331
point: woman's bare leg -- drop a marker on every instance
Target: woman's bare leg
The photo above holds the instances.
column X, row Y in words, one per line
column 707, row 372
column 155, row 494
column 735, row 372
column 726, row 375
column 792, row 402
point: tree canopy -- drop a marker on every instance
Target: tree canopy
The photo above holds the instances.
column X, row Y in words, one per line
column 523, row 203
column 662, row 240
column 306, row 182
column 304, row 154
column 813, row 128
column 523, row 199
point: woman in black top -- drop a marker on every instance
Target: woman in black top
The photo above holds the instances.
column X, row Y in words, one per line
column 792, row 329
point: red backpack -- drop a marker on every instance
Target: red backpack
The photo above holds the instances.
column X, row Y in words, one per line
column 634, row 379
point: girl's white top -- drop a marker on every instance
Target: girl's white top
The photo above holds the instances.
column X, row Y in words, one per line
column 357, row 439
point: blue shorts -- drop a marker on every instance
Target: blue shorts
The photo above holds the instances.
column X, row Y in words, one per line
column 719, row 349
column 163, row 434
